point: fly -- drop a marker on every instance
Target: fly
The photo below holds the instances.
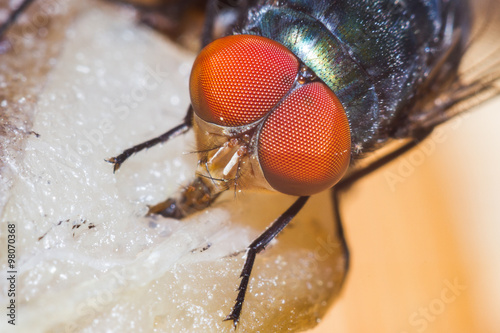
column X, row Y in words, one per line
column 298, row 92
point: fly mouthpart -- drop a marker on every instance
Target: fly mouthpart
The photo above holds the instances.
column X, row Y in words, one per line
column 223, row 163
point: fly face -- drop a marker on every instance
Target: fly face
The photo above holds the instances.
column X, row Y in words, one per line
column 263, row 122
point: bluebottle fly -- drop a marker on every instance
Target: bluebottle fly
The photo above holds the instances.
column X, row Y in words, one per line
column 297, row 93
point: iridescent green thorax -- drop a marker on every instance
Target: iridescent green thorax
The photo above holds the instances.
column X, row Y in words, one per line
column 374, row 55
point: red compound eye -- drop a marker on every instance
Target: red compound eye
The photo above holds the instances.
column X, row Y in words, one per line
column 237, row 79
column 305, row 144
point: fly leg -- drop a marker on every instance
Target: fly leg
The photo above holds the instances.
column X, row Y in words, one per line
column 380, row 162
column 281, row 222
column 346, row 182
column 14, row 15
column 340, row 233
column 256, row 247
column 208, row 26
column 182, row 128
column 187, row 123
